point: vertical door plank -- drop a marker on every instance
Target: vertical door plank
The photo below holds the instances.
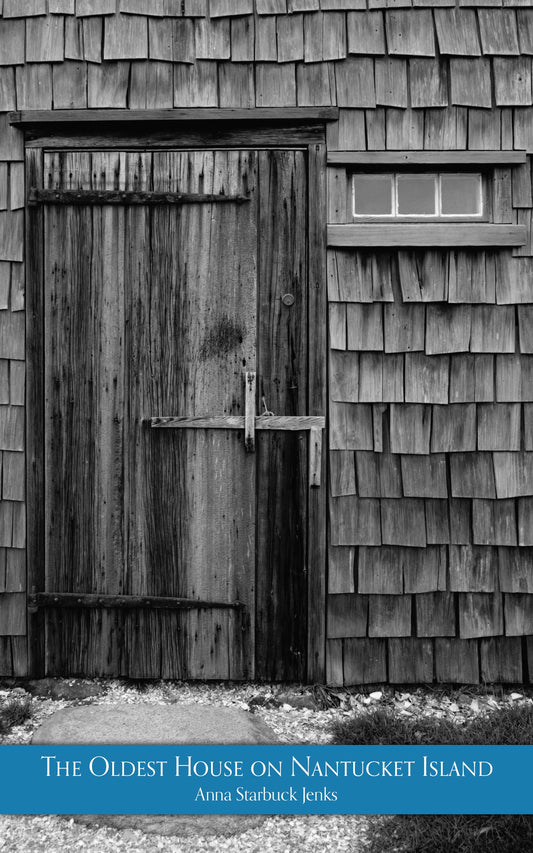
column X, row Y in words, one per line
column 281, row 630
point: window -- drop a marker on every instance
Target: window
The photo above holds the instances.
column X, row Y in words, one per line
column 418, row 195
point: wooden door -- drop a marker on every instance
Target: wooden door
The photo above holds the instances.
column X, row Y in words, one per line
column 169, row 550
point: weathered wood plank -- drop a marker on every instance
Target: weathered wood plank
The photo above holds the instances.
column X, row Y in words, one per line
column 460, row 522
column 428, row 82
column 403, row 522
column 151, row 84
column 424, row 569
column 275, row 85
column 367, row 467
column 480, row 615
column 364, row 327
column 355, row 521
column 316, row 84
column 435, row 614
column 493, row 329
column 24, row 8
column 13, row 476
column 457, row 32
column 525, row 518
column 494, row 522
column 437, row 521
column 11, row 428
column 12, row 36
column 470, row 82
column 512, row 79
column 380, row 570
column 236, row 84
column 347, row 615
column 45, row 39
column 473, row 568
column 426, row 378
column 34, row 86
column 108, row 86
column 12, row 614
column 404, row 327
column 391, row 82
column 171, row 41
column 515, row 569
column 389, row 616
column 212, row 38
column 410, row 33
column 426, row 235
column 445, row 128
column 472, row 475
column 196, row 85
column 290, row 38
column 265, row 39
column 370, row 377
column 366, row 32
column 125, row 37
column 485, row 130
column 220, row 8
column 498, row 31
column 337, row 326
column 350, row 427
column 513, row 474
column 324, row 36
column 410, row 661
column 344, row 377
column 334, row 662
column 404, row 129
column 410, row 428
column 95, row 7
column 11, row 335
column 456, row 661
column 501, row 660
column 69, row 83
column 355, row 83
column 423, row 277
column 424, row 476
column 242, row 33
column 498, row 426
column 448, row 329
column 365, row 661
column 427, row 158
column 342, row 472
column 341, row 570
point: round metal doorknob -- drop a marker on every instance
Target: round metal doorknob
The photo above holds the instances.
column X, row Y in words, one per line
column 288, row 299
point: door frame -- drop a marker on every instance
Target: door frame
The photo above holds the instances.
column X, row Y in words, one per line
column 281, row 133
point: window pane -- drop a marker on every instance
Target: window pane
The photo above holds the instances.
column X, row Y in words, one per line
column 416, row 195
column 460, row 195
column 373, row 195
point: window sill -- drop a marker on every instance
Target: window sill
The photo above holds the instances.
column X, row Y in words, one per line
column 426, row 235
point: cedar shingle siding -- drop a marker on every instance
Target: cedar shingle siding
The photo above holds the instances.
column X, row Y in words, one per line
column 430, row 565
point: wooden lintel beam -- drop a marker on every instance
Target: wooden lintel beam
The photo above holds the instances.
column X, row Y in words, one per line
column 127, row 197
column 294, row 423
column 392, row 234
column 95, row 600
column 36, row 118
column 433, row 159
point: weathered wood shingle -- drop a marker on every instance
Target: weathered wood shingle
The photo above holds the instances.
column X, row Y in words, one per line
column 410, row 33
column 457, row 32
column 125, row 37
column 366, row 33
column 498, row 31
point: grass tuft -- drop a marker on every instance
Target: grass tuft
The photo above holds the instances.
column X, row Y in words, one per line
column 13, row 713
column 445, row 833
column 506, row 726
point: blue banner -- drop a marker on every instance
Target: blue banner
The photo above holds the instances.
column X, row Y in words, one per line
column 266, row 779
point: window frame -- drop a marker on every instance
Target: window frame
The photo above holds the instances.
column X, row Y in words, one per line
column 484, row 184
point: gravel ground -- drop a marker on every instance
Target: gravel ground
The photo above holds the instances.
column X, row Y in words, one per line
column 281, row 708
